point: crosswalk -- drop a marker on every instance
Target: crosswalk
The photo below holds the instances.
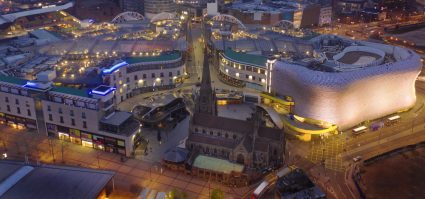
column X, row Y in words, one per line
column 328, row 152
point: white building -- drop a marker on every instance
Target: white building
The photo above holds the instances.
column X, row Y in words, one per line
column 80, row 116
column 341, row 82
column 134, row 75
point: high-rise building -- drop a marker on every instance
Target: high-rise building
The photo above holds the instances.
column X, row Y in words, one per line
column 153, row 7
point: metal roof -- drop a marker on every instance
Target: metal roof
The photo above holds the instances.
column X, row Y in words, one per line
column 49, row 181
column 72, row 91
column 257, row 60
column 167, row 56
column 12, row 80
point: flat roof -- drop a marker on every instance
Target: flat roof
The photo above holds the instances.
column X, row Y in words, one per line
column 166, row 56
column 13, row 80
column 117, row 119
column 257, row 60
column 216, row 164
column 72, row 91
column 49, row 181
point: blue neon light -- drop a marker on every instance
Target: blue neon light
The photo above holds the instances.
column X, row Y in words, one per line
column 30, row 84
column 114, row 68
column 104, row 92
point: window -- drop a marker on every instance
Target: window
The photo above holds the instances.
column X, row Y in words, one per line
column 234, row 137
column 71, row 112
column 136, row 78
column 28, row 112
column 61, row 119
column 153, row 75
column 211, row 133
column 203, row 131
column 226, row 135
column 8, row 108
column 60, row 110
column 83, row 115
column 219, row 134
column 73, row 122
column 144, row 76
column 49, row 108
column 161, row 74
column 84, row 124
column 170, row 74
column 18, row 110
column 178, row 73
column 17, row 101
column 128, row 79
column 6, row 99
column 196, row 130
column 50, row 117
column 247, row 76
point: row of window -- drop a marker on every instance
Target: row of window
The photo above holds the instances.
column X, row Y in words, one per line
column 244, row 67
column 6, row 99
column 226, row 135
column 71, row 112
column 72, row 121
column 14, row 90
column 18, row 110
column 77, row 103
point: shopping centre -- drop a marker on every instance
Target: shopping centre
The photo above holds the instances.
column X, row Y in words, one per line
column 328, row 83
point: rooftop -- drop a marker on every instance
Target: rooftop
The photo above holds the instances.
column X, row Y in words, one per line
column 72, row 91
column 257, row 60
column 118, row 118
column 166, row 56
column 228, row 124
column 217, row 165
column 18, row 180
column 12, row 80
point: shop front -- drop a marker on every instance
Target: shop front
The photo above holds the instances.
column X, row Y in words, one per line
column 98, row 142
column 17, row 122
column 87, row 140
column 75, row 136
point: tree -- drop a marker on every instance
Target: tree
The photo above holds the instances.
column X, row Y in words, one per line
column 217, row 194
column 176, row 194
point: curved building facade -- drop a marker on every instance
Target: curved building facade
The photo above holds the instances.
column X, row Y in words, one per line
column 134, row 75
column 154, row 7
column 339, row 83
column 348, row 98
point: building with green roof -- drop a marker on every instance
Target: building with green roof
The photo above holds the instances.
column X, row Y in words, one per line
column 72, row 91
column 163, row 57
column 13, row 80
column 242, row 69
column 244, row 58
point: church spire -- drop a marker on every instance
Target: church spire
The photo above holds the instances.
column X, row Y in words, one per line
column 206, row 100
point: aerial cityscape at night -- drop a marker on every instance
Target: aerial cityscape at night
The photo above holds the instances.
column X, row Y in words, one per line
column 212, row 99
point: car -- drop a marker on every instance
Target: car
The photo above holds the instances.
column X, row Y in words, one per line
column 357, row 158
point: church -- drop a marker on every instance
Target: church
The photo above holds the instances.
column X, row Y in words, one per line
column 247, row 142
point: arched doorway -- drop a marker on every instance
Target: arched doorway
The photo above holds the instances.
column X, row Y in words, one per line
column 240, row 159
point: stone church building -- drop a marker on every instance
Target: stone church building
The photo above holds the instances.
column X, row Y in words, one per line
column 248, row 142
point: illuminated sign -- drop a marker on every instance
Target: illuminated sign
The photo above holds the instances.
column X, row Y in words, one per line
column 103, row 90
column 114, row 68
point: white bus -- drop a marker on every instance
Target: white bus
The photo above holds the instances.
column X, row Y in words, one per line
column 359, row 130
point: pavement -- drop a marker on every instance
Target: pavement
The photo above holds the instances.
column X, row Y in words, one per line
column 131, row 176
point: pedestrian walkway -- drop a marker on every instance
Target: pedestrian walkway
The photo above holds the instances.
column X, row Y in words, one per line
column 328, row 152
column 131, row 175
